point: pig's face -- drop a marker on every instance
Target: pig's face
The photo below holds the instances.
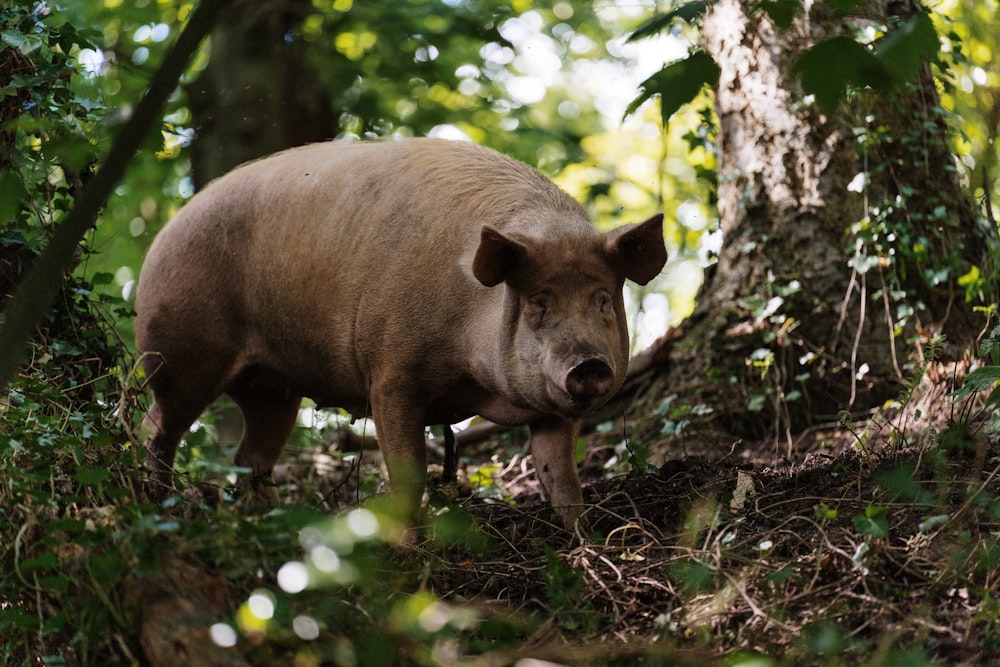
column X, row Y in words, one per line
column 566, row 338
column 571, row 332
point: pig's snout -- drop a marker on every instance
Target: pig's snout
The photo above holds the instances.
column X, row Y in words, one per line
column 591, row 378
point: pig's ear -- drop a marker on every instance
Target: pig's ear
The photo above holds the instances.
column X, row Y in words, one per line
column 638, row 249
column 497, row 257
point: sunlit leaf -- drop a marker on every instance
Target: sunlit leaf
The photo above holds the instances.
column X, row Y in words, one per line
column 677, row 84
column 978, row 380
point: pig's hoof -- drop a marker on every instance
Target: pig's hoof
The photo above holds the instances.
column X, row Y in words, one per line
column 155, row 487
column 263, row 488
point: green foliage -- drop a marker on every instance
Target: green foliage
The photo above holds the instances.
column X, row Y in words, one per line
column 874, row 522
column 677, row 84
column 687, row 12
column 985, row 377
column 833, row 66
column 46, row 129
column 563, row 585
column 693, row 576
column 781, row 12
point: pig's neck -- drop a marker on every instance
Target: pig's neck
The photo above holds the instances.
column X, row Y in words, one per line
column 491, row 338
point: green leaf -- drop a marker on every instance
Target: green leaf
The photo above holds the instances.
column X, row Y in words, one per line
column 932, row 522
column 91, row 476
column 689, row 12
column 677, row 84
column 905, row 49
column 977, row 380
column 994, row 398
column 25, row 43
column 12, row 195
column 831, row 66
column 824, row 512
column 874, row 522
column 58, row 583
column 14, row 617
column 781, row 12
column 45, row 561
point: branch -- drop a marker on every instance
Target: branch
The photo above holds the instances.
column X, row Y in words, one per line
column 36, row 292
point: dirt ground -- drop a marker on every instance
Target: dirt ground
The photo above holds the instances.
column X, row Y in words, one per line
column 855, row 557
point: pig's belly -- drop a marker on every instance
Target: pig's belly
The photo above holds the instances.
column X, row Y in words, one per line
column 447, row 405
column 447, row 411
column 467, row 404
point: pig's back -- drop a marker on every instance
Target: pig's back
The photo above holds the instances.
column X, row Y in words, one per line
column 320, row 254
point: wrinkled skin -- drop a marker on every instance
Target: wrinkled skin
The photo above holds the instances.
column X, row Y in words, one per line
column 419, row 281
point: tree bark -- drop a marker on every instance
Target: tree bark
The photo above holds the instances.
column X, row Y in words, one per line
column 818, row 304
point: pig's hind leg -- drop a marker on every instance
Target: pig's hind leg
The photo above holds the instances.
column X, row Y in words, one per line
column 269, row 409
column 169, row 418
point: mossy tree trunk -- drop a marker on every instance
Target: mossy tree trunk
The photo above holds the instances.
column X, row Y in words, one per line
column 829, row 284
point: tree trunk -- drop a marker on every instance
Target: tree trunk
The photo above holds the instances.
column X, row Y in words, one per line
column 823, row 296
column 258, row 94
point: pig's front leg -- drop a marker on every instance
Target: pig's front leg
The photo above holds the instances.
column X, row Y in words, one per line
column 553, row 446
column 401, row 438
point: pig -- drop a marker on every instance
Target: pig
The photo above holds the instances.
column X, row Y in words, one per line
column 417, row 281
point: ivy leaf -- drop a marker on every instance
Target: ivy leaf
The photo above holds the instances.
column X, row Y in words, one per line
column 25, row 43
column 874, row 522
column 689, row 12
column 829, row 67
column 677, row 84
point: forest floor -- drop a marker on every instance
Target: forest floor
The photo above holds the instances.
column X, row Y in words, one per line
column 856, row 545
column 820, row 553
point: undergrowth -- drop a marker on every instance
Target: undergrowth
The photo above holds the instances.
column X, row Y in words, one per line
column 881, row 554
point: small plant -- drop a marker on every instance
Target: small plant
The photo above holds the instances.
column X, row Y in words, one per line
column 563, row 584
column 985, row 377
column 873, row 523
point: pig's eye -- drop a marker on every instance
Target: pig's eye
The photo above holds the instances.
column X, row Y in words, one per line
column 536, row 308
column 602, row 300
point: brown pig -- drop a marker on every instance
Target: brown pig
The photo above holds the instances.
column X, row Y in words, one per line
column 419, row 281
